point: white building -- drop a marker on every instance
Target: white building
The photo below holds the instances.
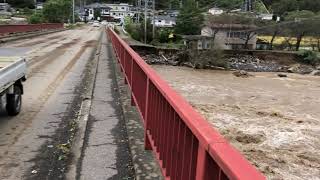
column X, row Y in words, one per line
column 215, row 11
column 164, row 21
column 4, row 8
column 119, row 11
column 39, row 6
column 91, row 8
column 267, row 17
column 109, row 11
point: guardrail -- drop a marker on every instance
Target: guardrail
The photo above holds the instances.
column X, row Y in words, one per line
column 185, row 144
column 11, row 29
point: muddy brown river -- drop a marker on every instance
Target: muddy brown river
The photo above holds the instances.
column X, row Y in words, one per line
column 273, row 121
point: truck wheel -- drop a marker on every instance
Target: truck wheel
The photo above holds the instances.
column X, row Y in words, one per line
column 14, row 102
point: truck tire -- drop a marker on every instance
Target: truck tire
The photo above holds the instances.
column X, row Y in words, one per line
column 14, row 102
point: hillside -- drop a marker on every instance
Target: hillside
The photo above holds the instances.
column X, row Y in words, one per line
column 276, row 6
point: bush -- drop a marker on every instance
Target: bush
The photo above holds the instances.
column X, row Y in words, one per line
column 35, row 18
column 133, row 29
column 116, row 30
column 27, row 11
column 163, row 35
column 309, row 57
column 208, row 58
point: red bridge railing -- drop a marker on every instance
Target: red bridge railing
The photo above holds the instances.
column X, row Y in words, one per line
column 10, row 29
column 185, row 144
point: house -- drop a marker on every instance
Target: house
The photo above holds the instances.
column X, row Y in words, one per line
column 172, row 13
column 267, row 17
column 164, row 21
column 109, row 11
column 262, row 44
column 119, row 11
column 91, row 8
column 231, row 36
column 197, row 42
column 215, row 11
column 39, row 5
column 4, row 8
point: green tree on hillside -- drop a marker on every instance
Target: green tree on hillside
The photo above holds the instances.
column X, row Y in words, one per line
column 57, row 11
column 283, row 6
column 21, row 3
column 229, row 4
column 304, row 23
column 190, row 19
column 311, row 5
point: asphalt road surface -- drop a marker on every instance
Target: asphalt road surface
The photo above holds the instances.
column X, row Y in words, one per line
column 54, row 85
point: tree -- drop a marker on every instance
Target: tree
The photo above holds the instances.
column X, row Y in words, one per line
column 311, row 5
column 57, row 11
column 190, row 19
column 271, row 29
column 36, row 18
column 97, row 13
column 302, row 25
column 22, row 3
column 229, row 4
column 283, row 6
column 174, row 4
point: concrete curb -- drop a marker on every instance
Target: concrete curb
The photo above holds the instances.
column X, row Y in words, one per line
column 82, row 121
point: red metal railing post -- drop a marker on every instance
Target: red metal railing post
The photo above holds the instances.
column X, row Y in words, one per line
column 201, row 163
column 147, row 143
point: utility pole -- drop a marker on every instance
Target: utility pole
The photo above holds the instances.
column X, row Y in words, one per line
column 153, row 19
column 35, row 5
column 145, row 21
column 139, row 10
column 73, row 19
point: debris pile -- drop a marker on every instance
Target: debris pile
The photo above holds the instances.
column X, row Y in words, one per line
column 242, row 73
column 254, row 64
column 160, row 59
column 248, row 63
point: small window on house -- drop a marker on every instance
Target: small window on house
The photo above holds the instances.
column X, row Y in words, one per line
column 236, row 34
column 207, row 45
column 122, row 7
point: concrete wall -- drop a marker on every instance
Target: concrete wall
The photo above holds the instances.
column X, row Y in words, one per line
column 223, row 41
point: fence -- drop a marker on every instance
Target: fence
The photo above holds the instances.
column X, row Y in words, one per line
column 186, row 146
column 11, row 29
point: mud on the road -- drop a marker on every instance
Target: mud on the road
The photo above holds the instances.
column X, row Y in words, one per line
column 55, row 155
column 273, row 121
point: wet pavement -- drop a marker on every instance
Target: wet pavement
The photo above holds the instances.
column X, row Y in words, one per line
column 73, row 123
column 35, row 144
column 106, row 153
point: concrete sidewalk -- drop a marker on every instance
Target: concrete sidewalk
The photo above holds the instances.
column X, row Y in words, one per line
column 105, row 154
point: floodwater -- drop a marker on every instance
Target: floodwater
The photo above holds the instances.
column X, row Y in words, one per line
column 273, row 121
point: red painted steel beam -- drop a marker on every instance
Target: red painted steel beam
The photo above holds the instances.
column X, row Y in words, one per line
column 22, row 28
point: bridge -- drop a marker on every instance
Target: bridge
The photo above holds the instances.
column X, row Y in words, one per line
column 71, row 85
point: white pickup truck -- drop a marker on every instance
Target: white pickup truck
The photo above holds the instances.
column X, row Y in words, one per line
column 13, row 70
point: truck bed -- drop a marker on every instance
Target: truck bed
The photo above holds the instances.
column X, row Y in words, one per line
column 12, row 67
